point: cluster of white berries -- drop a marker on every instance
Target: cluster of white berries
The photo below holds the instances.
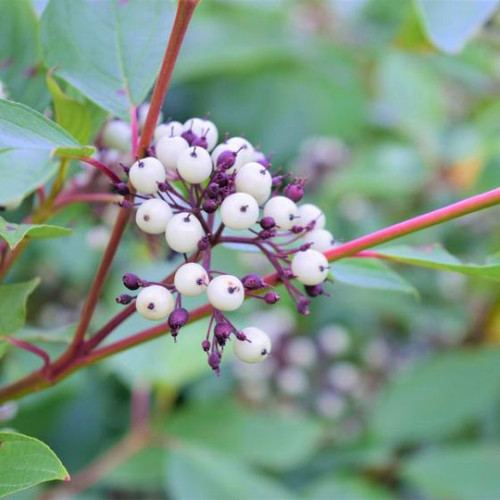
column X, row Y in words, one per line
column 190, row 189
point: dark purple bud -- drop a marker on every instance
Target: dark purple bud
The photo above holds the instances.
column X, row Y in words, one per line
column 303, row 305
column 163, row 187
column 267, row 234
column 263, row 160
column 132, row 281
column 210, row 206
column 213, row 190
column 220, row 178
column 305, row 246
column 205, row 345
column 189, row 136
column 271, row 297
column 126, row 204
column 178, row 318
column 287, row 273
column 241, row 336
column 252, row 282
column 201, row 142
column 124, row 298
column 225, row 191
column 294, row 191
column 223, row 330
column 214, row 361
column 204, row 244
column 121, row 188
column 226, row 159
column 277, row 180
column 267, row 223
column 314, row 290
column 297, row 229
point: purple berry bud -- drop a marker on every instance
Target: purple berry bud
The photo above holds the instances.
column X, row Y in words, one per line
column 252, row 282
column 163, row 187
column 212, row 190
column 205, row 345
column 267, row 234
column 204, row 244
column 297, row 229
column 267, row 223
column 241, row 336
column 303, row 305
column 189, row 136
column 263, row 160
column 121, row 188
column 201, row 142
column 305, row 246
column 126, row 204
column 277, row 180
column 288, row 274
column 210, row 206
column 226, row 159
column 214, row 361
column 220, row 178
column 124, row 299
column 132, row 281
column 271, row 297
column 178, row 318
column 314, row 290
column 222, row 330
column 294, row 191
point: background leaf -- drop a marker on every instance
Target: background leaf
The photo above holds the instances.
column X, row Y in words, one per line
column 451, row 24
column 13, row 234
column 369, row 273
column 218, row 477
column 21, row 68
column 439, row 396
column 111, row 53
column 345, row 488
column 436, row 257
column 263, row 440
column 13, row 299
column 461, row 472
column 25, row 462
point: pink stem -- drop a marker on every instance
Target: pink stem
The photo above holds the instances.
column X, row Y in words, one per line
column 135, row 131
column 100, row 166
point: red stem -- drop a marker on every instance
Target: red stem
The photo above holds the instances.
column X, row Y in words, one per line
column 100, row 166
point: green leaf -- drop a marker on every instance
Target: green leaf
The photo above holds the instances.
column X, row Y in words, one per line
column 436, row 257
column 458, row 472
column 24, row 128
column 71, row 114
column 20, row 59
column 463, row 21
column 439, row 396
column 13, row 299
column 112, row 53
column 345, row 488
column 25, row 462
column 264, row 440
column 370, row 273
column 13, row 234
column 23, row 170
column 64, row 152
column 199, row 473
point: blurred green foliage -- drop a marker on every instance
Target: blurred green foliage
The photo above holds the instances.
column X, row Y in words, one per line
column 413, row 410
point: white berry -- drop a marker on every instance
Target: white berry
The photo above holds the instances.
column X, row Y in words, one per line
column 191, row 279
column 154, row 302
column 168, row 150
column 211, row 134
column 145, row 174
column 117, row 134
column 247, row 151
column 195, row 125
column 194, row 165
column 153, row 215
column 226, row 292
column 309, row 213
column 256, row 348
column 310, row 267
column 170, row 129
column 255, row 180
column 183, row 232
column 321, row 239
column 239, row 211
column 283, row 210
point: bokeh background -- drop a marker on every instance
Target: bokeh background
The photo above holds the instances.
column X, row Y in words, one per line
column 391, row 387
